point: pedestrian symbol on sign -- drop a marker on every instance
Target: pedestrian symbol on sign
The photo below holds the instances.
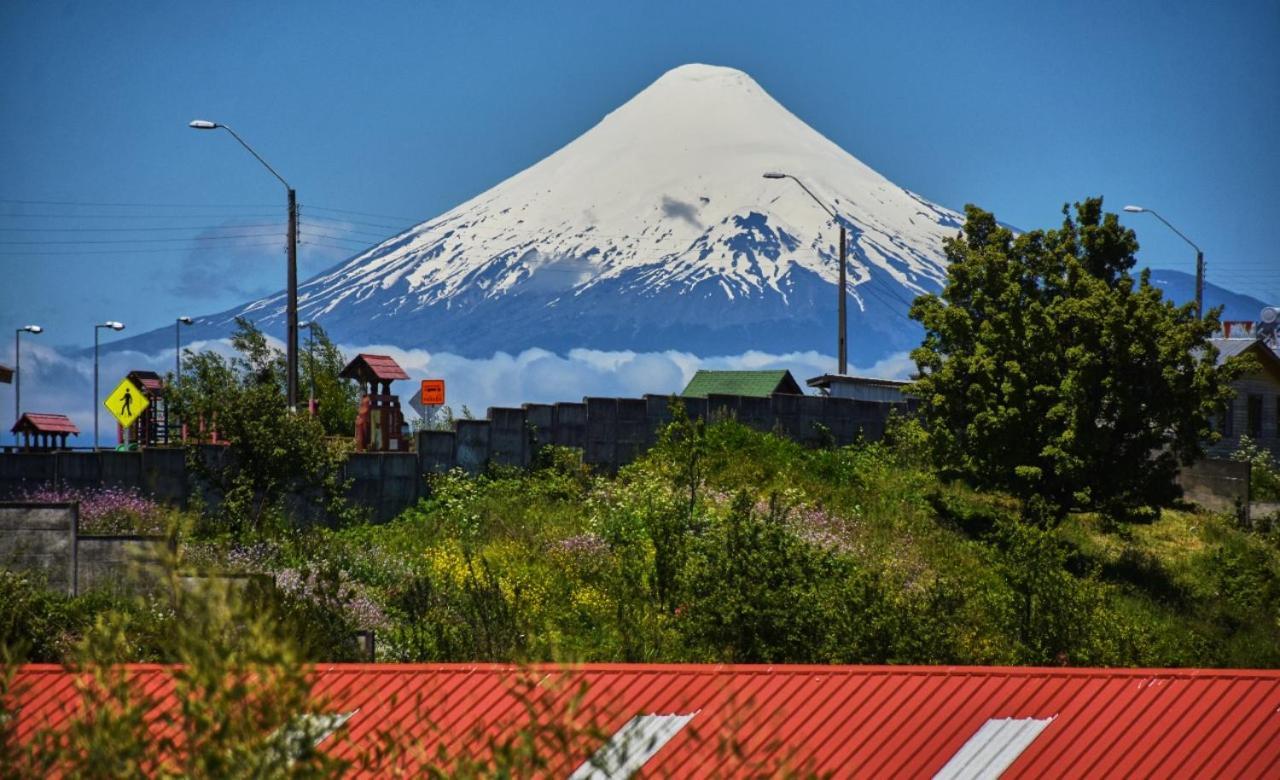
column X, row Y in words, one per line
column 126, row 403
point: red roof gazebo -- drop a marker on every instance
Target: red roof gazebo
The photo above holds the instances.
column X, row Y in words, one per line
column 379, row 420
column 50, row 431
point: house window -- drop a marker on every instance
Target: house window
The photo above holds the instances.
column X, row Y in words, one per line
column 1227, row 423
column 1253, row 417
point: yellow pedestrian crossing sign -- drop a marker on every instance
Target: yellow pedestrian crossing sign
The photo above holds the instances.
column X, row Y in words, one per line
column 126, row 403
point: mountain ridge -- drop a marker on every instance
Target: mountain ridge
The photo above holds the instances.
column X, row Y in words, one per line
column 653, row 230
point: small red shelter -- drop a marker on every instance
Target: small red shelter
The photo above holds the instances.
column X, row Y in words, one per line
column 379, row 420
column 152, row 426
column 44, row 432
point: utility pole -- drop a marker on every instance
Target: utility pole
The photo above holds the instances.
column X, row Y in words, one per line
column 1199, row 284
column 17, row 371
column 291, row 307
column 843, row 346
column 292, row 351
column 842, row 337
column 1199, row 254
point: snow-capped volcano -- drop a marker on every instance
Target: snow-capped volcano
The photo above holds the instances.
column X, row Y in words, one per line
column 653, row 230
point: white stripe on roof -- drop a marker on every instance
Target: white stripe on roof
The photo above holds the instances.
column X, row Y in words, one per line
column 631, row 746
column 992, row 748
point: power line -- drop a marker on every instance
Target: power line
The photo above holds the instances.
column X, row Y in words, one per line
column 353, row 250
column 141, row 240
column 345, row 221
column 135, row 216
column 358, row 213
column 348, row 230
column 137, row 229
column 139, row 205
column 126, row 251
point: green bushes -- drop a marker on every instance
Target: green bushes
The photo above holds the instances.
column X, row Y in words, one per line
column 1264, row 474
column 725, row 544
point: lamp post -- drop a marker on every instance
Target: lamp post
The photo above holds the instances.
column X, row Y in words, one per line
column 177, row 348
column 116, row 326
column 1199, row 254
column 311, row 364
column 291, row 340
column 842, row 337
column 17, row 371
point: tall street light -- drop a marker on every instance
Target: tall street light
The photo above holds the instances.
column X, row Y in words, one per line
column 113, row 325
column 177, row 348
column 17, row 370
column 1199, row 254
column 842, row 337
column 291, row 342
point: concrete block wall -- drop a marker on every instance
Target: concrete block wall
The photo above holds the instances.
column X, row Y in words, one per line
column 41, row 538
column 385, row 483
column 44, row 539
column 120, row 562
column 612, row 432
column 1218, row 484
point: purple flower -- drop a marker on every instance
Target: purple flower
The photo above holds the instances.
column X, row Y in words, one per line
column 104, row 510
column 822, row 529
column 352, row 598
column 587, row 545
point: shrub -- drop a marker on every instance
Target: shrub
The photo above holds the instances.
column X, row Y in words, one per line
column 1264, row 472
column 104, row 510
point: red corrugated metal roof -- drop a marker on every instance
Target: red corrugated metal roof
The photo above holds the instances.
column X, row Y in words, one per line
column 35, row 422
column 382, row 366
column 846, row 721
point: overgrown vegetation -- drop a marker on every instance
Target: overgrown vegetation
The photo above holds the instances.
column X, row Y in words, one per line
column 282, row 469
column 1264, row 472
column 726, row 544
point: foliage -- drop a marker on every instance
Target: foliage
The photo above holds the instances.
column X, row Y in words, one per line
column 104, row 510
column 280, row 468
column 723, row 543
column 1049, row 371
column 1264, row 472
column 727, row 544
column 337, row 399
column 237, row 679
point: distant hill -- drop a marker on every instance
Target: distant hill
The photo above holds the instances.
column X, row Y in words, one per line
column 1181, row 287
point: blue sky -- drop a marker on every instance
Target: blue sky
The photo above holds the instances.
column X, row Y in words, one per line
column 401, row 110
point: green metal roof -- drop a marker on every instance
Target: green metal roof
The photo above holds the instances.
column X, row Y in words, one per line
column 760, row 384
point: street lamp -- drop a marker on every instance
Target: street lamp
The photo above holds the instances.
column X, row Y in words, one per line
column 177, row 348
column 116, row 326
column 291, row 341
column 842, row 337
column 1199, row 254
column 311, row 363
column 17, row 371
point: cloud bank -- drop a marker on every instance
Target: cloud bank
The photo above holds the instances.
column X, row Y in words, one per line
column 54, row 381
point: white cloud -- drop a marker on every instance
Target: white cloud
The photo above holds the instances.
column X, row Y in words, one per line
column 57, row 382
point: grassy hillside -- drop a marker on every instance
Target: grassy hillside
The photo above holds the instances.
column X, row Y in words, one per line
column 725, row 544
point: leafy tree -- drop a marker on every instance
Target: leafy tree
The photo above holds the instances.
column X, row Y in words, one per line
column 1049, row 371
column 321, row 363
column 279, row 464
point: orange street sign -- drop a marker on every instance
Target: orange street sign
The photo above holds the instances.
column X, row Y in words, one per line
column 433, row 392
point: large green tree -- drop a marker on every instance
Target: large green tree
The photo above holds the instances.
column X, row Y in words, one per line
column 1048, row 370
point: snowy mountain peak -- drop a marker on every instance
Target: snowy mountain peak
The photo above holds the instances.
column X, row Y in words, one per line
column 659, row 212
